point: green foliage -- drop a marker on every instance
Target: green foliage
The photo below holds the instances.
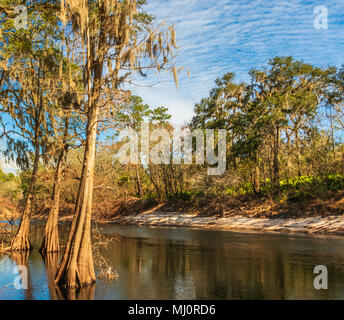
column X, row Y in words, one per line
column 10, row 186
column 296, row 182
column 124, row 180
column 333, row 182
column 295, row 188
column 185, row 195
column 25, row 179
column 245, row 188
column 6, row 177
column 133, row 113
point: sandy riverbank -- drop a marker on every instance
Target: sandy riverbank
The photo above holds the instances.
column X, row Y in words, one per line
column 316, row 225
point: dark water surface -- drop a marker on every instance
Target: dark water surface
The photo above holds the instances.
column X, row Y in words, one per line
column 167, row 263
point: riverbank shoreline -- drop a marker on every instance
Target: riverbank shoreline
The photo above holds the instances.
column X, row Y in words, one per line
column 332, row 225
column 319, row 215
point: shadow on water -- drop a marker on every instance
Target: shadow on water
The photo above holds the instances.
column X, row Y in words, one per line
column 161, row 263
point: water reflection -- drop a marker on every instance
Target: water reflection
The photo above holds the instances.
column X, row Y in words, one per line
column 219, row 265
column 156, row 263
column 87, row 293
column 51, row 261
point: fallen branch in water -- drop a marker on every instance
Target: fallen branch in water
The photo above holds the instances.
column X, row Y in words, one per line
column 106, row 271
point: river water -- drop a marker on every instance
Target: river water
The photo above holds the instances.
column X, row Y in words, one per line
column 170, row 263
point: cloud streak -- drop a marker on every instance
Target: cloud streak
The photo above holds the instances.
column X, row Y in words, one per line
column 219, row 36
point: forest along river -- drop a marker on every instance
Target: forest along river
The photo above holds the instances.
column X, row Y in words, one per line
column 171, row 263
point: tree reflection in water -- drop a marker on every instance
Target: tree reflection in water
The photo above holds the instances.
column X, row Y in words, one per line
column 157, row 263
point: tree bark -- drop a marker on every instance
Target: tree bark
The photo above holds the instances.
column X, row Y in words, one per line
column 76, row 269
column 50, row 241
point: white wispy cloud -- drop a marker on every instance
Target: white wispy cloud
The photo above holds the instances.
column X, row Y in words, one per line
column 219, row 36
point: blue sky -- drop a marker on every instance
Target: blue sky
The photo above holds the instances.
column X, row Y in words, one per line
column 219, row 36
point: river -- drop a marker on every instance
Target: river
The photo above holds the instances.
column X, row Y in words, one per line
column 176, row 263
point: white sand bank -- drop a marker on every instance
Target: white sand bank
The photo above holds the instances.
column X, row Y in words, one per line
column 321, row 225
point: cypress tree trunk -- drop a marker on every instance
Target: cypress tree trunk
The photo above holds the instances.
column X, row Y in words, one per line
column 50, row 241
column 21, row 242
column 76, row 269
